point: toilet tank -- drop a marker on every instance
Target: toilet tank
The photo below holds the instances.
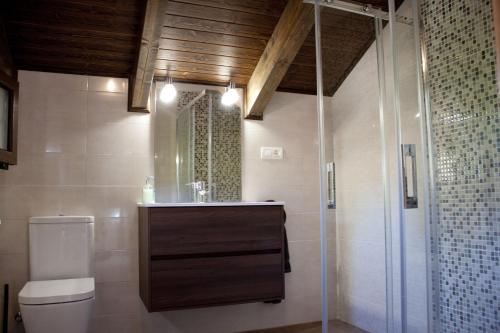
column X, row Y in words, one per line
column 61, row 247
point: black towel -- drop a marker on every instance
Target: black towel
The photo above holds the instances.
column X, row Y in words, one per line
column 288, row 266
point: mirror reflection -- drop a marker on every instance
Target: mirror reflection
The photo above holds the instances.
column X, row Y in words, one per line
column 199, row 139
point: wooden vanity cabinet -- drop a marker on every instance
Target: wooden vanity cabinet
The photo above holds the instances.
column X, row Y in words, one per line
column 210, row 255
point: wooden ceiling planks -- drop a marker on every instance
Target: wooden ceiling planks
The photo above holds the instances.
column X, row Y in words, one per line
column 94, row 37
column 223, row 38
column 202, row 41
column 226, row 38
column 345, row 38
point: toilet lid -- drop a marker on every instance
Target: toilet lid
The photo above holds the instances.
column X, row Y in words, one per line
column 57, row 291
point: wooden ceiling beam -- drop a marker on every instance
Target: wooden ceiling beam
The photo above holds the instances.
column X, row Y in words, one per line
column 287, row 38
column 142, row 76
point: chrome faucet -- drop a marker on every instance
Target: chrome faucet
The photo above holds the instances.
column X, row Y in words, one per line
column 200, row 192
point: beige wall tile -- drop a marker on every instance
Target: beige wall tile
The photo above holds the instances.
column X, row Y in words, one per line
column 58, row 169
column 302, row 227
column 108, row 84
column 14, row 202
column 62, row 136
column 14, row 236
column 116, row 234
column 13, row 268
column 116, row 266
column 117, row 298
column 109, row 139
column 65, row 104
column 47, row 80
column 19, row 174
column 104, row 107
column 113, row 201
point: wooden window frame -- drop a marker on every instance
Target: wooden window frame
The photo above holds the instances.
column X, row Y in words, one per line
column 9, row 156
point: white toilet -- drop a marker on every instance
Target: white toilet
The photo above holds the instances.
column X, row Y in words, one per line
column 60, row 296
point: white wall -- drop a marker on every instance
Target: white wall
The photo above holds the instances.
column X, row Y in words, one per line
column 81, row 152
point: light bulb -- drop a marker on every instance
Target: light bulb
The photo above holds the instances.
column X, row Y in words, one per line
column 230, row 97
column 168, row 93
column 111, row 85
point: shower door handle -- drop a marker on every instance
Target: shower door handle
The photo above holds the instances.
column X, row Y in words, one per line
column 409, row 166
column 330, row 171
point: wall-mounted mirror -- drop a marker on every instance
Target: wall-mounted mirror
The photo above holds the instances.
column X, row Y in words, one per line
column 198, row 149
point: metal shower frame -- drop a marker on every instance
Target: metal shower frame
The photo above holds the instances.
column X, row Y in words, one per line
column 426, row 138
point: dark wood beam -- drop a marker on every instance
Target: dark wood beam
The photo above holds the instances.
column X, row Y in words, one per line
column 6, row 63
column 287, row 38
column 142, row 77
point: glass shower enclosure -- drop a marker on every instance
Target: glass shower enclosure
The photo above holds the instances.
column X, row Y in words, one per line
column 375, row 174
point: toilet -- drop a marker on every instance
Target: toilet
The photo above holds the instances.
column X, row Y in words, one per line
column 60, row 294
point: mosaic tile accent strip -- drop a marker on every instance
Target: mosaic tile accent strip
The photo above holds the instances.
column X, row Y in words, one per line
column 466, row 132
column 200, row 139
column 226, row 155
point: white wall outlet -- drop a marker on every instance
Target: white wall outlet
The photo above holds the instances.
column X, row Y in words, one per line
column 271, row 153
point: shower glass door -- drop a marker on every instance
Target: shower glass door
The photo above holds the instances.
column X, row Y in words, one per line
column 372, row 127
column 411, row 218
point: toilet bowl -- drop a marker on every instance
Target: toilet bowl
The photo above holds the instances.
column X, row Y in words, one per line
column 60, row 296
column 57, row 306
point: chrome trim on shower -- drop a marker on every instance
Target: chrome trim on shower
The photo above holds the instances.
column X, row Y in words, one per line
column 330, row 175
column 361, row 9
column 389, row 307
column 428, row 189
column 322, row 169
column 409, row 171
column 399, row 158
column 429, row 196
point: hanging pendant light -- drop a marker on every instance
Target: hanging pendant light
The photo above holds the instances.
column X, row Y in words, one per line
column 168, row 92
column 230, row 96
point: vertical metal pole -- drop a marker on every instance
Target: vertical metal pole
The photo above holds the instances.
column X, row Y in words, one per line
column 322, row 169
column 399, row 158
column 389, row 308
column 430, row 211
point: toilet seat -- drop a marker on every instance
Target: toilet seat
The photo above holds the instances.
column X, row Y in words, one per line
column 56, row 291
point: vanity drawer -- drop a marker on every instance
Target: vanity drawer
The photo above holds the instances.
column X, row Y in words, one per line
column 215, row 230
column 198, row 282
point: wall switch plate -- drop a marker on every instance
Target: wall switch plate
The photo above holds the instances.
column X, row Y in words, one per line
column 271, row 153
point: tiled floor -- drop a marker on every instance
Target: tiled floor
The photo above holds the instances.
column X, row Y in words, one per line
column 335, row 326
